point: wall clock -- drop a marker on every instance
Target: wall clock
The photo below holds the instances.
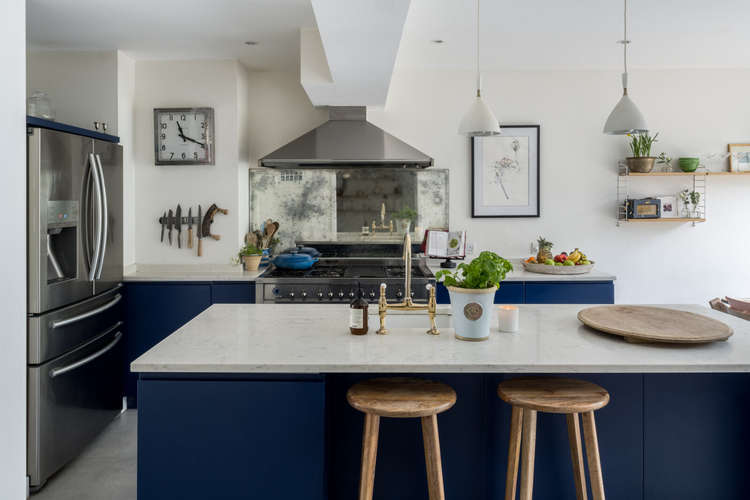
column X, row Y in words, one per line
column 184, row 136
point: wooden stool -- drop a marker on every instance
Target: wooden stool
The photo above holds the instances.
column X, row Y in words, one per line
column 553, row 395
column 401, row 398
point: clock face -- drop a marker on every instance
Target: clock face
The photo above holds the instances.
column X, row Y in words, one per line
column 184, row 136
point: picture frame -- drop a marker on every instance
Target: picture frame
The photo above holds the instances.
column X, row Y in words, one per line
column 669, row 206
column 739, row 158
column 505, row 171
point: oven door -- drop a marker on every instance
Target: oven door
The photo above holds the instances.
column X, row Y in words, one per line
column 70, row 400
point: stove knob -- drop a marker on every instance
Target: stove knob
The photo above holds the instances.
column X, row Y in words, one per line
column 330, row 295
column 304, row 294
column 372, row 294
column 399, row 294
column 320, row 295
column 291, row 295
column 341, row 295
column 351, row 294
column 412, row 294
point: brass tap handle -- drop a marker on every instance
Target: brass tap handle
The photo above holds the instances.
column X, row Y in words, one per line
column 382, row 310
column 432, row 310
column 391, row 226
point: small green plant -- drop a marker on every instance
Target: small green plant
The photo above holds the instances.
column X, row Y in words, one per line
column 246, row 251
column 640, row 144
column 665, row 160
column 688, row 196
column 406, row 213
column 486, row 271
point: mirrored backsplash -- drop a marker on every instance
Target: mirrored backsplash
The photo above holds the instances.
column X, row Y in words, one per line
column 335, row 204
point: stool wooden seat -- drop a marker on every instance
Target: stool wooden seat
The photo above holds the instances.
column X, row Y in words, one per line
column 553, row 395
column 401, row 397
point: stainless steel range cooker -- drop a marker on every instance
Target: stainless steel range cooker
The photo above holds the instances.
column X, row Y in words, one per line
column 335, row 280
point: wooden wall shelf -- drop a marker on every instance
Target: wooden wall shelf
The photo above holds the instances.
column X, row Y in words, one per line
column 678, row 174
column 664, row 219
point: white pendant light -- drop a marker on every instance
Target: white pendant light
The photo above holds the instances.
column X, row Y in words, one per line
column 479, row 119
column 626, row 118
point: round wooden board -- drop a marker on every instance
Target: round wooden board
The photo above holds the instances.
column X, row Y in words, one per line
column 546, row 269
column 655, row 324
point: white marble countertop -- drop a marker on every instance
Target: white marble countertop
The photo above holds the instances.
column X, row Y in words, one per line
column 309, row 338
column 520, row 274
column 189, row 272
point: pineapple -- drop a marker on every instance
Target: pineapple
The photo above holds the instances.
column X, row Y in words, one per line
column 545, row 248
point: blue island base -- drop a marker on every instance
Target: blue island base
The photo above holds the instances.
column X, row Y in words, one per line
column 663, row 436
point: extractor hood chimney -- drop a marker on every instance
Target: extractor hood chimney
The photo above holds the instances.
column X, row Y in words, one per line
column 347, row 139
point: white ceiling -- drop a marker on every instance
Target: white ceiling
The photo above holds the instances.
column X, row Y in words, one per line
column 530, row 34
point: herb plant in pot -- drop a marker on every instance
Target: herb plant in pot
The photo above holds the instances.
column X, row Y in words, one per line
column 472, row 290
column 404, row 218
column 640, row 145
column 250, row 255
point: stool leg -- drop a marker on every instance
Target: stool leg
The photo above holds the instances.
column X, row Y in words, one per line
column 514, row 449
column 369, row 454
column 576, row 455
column 432, row 457
column 529, row 445
column 592, row 454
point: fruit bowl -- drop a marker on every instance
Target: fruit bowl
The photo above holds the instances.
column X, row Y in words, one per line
column 534, row 267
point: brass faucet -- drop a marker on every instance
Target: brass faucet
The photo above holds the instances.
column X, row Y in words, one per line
column 407, row 304
column 382, row 225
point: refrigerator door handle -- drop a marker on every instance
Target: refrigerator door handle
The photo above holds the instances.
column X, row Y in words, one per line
column 105, row 217
column 56, row 372
column 97, row 219
column 87, row 314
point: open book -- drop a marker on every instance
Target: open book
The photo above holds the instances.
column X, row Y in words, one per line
column 440, row 243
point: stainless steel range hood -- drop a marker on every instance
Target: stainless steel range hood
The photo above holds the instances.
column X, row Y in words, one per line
column 347, row 139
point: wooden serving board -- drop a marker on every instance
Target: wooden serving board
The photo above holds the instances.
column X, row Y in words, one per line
column 655, row 324
column 545, row 269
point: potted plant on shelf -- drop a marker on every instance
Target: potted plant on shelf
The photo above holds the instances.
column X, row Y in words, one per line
column 250, row 256
column 640, row 145
column 404, row 218
column 690, row 201
column 472, row 290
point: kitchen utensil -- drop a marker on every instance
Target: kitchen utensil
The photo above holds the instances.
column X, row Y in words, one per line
column 170, row 219
column 267, row 233
column 163, row 225
column 190, row 228
column 546, row 269
column 252, row 239
column 259, row 237
column 209, row 219
column 200, row 233
column 294, row 260
column 742, row 305
column 178, row 222
column 654, row 324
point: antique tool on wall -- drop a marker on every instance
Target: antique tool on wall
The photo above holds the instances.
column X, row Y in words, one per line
column 178, row 222
column 190, row 228
column 170, row 219
column 163, row 222
column 200, row 233
column 208, row 219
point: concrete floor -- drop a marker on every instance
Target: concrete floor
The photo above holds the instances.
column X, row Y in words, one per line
column 106, row 470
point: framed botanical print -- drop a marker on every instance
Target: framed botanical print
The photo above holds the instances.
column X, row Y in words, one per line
column 739, row 158
column 505, row 173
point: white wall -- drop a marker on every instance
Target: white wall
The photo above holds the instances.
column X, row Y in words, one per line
column 126, row 131
column 696, row 111
column 81, row 85
column 13, row 252
column 210, row 83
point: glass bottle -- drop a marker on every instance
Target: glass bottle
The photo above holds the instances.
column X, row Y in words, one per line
column 38, row 105
column 358, row 314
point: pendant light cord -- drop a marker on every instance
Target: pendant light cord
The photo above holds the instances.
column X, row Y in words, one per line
column 479, row 77
column 625, row 42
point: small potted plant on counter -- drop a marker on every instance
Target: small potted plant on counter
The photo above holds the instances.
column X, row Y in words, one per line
column 250, row 256
column 640, row 145
column 472, row 289
column 404, row 218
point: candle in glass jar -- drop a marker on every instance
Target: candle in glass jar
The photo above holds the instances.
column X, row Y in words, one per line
column 507, row 318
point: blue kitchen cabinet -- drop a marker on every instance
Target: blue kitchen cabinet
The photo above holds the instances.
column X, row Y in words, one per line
column 575, row 292
column 231, row 439
column 153, row 311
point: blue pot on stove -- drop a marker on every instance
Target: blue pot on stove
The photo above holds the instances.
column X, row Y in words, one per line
column 293, row 259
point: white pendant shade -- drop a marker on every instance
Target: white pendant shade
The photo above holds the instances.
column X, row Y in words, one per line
column 626, row 118
column 479, row 120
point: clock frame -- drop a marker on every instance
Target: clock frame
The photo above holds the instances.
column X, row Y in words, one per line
column 163, row 136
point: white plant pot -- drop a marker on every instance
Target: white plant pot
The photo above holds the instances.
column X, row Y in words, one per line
column 403, row 225
column 472, row 311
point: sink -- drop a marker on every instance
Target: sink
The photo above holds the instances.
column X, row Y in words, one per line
column 411, row 319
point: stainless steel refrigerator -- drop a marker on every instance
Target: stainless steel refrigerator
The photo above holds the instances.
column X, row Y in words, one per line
column 75, row 347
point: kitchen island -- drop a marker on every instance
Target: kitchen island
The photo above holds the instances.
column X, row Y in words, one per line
column 248, row 401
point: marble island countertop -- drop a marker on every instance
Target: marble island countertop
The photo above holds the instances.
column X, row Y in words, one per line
column 309, row 338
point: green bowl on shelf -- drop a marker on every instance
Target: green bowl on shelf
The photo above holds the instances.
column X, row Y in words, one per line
column 689, row 164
